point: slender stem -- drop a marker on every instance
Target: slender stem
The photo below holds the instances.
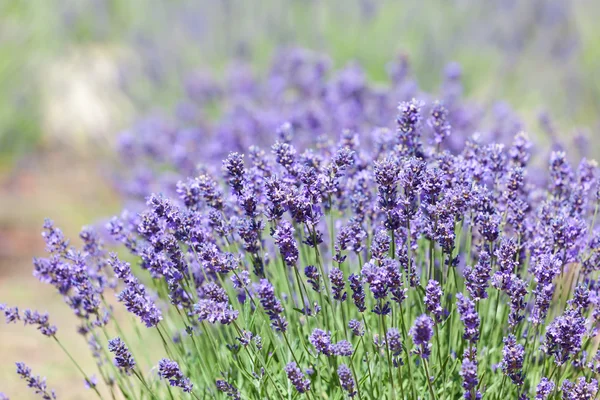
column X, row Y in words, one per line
column 428, row 378
column 387, row 350
column 78, row 367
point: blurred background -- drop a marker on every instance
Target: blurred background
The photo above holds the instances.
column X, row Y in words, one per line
column 75, row 73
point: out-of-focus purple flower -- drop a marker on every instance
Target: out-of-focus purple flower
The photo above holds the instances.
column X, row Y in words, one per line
column 227, row 388
column 582, row 390
column 313, row 277
column 438, row 122
column 343, row 348
column 346, row 380
column 10, row 313
column 298, row 379
column 393, row 341
column 35, row 382
column 168, row 369
column 356, row 327
column 544, row 389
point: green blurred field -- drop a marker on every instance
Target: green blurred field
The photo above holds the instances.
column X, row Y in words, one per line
column 64, row 65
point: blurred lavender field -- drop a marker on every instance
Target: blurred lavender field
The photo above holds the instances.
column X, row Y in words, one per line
column 75, row 74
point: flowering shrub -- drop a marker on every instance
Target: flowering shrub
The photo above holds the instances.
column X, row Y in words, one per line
column 382, row 266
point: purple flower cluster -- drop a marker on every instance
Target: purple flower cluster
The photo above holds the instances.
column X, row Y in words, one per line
column 512, row 360
column 37, row 383
column 123, row 358
column 422, row 332
column 134, row 295
column 272, row 305
column 29, row 317
column 168, row 369
column 451, row 236
column 297, row 378
column 346, row 380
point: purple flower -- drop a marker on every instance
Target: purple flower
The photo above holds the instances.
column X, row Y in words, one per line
column 564, row 336
column 313, row 277
column 298, row 379
column 321, row 340
column 233, row 166
column 346, row 380
column 380, row 247
column 394, row 343
column 409, row 120
column 582, row 390
column 225, row 387
column 212, row 311
column 123, row 358
column 512, row 359
column 35, row 382
column 469, row 317
column 134, row 295
column 477, row 278
column 336, row 277
column 343, row 348
column 168, row 369
column 358, row 292
column 271, row 305
column 432, row 300
column 517, row 290
column 468, row 373
column 10, row 313
column 356, row 327
column 284, row 239
column 544, row 389
column 438, row 122
column 377, row 278
column 422, row 332
column 29, row 318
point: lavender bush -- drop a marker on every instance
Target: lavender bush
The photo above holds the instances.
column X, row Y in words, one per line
column 343, row 259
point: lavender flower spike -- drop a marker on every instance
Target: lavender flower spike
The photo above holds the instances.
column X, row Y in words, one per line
column 432, row 300
column 544, row 389
column 512, row 360
column 123, row 358
column 170, row 370
column 272, row 305
column 297, row 378
column 35, row 382
column 468, row 372
column 422, row 332
column 346, row 380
